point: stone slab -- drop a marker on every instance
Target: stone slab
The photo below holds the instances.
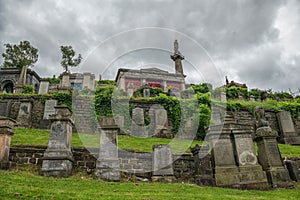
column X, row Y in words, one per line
column 287, row 129
column 24, row 115
column 44, row 87
column 162, row 160
column 49, row 108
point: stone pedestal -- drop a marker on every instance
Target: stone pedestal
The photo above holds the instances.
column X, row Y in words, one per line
column 162, row 164
column 270, row 158
column 24, row 115
column 287, row 129
column 58, row 157
column 108, row 165
column 6, row 125
column 252, row 175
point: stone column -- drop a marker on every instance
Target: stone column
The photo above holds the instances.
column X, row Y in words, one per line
column 270, row 158
column 58, row 157
column 108, row 165
column 6, row 125
column 162, row 163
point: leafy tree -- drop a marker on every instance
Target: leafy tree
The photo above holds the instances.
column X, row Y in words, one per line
column 19, row 55
column 68, row 58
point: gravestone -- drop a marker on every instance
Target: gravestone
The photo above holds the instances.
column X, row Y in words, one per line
column 162, row 163
column 203, row 167
column 146, row 92
column 252, row 175
column 65, row 80
column 223, row 96
column 108, row 165
column 252, row 98
column 44, row 87
column 24, row 115
column 138, row 124
column 294, row 170
column 161, row 121
column 130, row 89
column 6, row 125
column 270, row 158
column 120, row 121
column 58, row 158
column 48, row 110
column 4, row 108
column 86, row 83
column 189, row 130
column 287, row 129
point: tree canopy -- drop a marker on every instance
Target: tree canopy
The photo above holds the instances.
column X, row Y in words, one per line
column 19, row 55
column 68, row 58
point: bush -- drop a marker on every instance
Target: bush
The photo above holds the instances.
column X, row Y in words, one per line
column 28, row 89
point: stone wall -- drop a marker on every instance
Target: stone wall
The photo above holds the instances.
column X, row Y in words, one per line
column 14, row 102
column 139, row 163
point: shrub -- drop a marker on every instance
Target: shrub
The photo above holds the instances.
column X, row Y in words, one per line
column 28, row 89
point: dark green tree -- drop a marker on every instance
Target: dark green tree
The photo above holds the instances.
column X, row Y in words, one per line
column 19, row 55
column 68, row 58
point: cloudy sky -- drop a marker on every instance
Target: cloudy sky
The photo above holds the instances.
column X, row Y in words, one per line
column 251, row 41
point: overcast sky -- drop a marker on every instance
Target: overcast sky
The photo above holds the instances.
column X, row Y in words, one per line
column 256, row 42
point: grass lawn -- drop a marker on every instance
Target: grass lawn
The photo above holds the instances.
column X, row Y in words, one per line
column 25, row 136
column 26, row 184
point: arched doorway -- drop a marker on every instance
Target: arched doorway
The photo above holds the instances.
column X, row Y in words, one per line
column 8, row 87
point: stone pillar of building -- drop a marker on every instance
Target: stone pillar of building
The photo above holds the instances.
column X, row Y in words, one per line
column 270, row 158
column 162, row 164
column 58, row 158
column 6, row 125
column 108, row 164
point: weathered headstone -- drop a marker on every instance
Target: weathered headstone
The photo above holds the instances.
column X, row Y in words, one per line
column 138, row 123
column 161, row 121
column 44, row 87
column 190, row 129
column 58, row 157
column 223, row 96
column 146, row 92
column 24, row 115
column 49, row 108
column 130, row 89
column 203, row 167
column 6, row 125
column 108, row 165
column 4, row 108
column 294, row 170
column 287, row 129
column 270, row 158
column 65, row 80
column 162, row 163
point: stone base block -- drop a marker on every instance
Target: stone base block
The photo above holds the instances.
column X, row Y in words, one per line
column 227, row 177
column 204, row 180
column 253, row 177
column 163, row 179
column 56, row 168
column 7, row 165
column 279, row 178
column 108, row 169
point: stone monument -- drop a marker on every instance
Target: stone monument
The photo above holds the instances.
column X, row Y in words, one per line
column 48, row 111
column 138, row 124
column 44, row 87
column 6, row 125
column 287, row 129
column 58, row 157
column 108, row 165
column 270, row 158
column 162, row 164
column 24, row 115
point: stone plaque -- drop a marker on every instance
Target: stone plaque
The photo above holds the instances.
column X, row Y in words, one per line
column 49, row 108
column 245, row 150
column 162, row 160
column 44, row 87
column 4, row 109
